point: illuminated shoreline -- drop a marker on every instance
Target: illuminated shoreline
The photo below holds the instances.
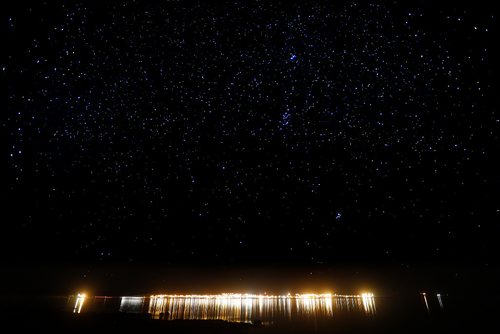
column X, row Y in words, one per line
column 249, row 295
column 244, row 307
column 240, row 307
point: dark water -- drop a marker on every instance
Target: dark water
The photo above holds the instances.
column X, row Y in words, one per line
column 411, row 313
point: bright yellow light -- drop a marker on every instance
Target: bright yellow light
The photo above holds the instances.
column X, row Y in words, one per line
column 243, row 307
column 368, row 301
column 80, row 299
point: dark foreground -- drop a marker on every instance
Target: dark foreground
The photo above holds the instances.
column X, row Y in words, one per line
column 63, row 322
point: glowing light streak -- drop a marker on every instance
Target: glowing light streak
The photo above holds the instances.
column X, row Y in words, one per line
column 440, row 300
column 368, row 302
column 425, row 300
column 79, row 303
column 248, row 307
column 132, row 304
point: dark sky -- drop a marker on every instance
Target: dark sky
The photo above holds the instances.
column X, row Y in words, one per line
column 198, row 132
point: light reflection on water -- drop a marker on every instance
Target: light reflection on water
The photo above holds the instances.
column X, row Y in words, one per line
column 132, row 304
column 80, row 299
column 248, row 307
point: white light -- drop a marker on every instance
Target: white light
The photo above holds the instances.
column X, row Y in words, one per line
column 79, row 303
column 244, row 307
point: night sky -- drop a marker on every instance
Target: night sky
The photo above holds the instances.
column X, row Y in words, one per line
column 199, row 132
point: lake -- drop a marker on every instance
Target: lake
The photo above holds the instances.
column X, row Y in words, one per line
column 249, row 313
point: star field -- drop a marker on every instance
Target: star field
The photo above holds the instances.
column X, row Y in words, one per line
column 251, row 131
